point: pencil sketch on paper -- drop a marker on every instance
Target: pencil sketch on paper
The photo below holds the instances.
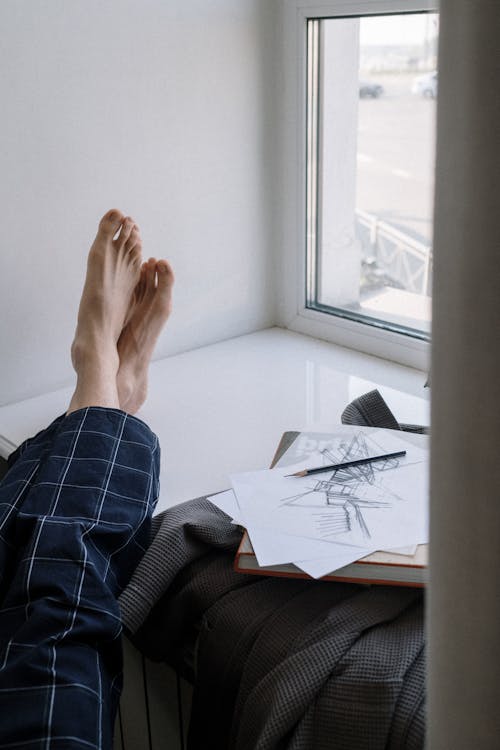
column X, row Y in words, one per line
column 346, row 493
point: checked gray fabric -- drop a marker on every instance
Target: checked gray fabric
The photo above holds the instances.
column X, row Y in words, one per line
column 283, row 663
column 75, row 519
column 370, row 410
column 277, row 664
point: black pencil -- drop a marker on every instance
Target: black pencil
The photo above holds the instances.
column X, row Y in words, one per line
column 345, row 464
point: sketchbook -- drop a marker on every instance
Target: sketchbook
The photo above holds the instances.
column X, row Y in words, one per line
column 377, row 568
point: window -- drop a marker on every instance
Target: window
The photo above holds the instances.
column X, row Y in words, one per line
column 371, row 90
column 368, row 87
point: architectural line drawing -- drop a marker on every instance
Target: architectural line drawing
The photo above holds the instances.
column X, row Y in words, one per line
column 341, row 497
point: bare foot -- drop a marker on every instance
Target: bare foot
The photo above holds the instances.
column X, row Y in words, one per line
column 113, row 270
column 147, row 316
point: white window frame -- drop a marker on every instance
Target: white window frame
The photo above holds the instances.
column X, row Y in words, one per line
column 293, row 313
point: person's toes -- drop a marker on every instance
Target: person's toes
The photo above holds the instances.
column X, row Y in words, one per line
column 125, row 232
column 133, row 240
column 135, row 256
column 140, row 288
column 141, row 284
column 165, row 283
column 165, row 274
column 110, row 223
column 150, row 276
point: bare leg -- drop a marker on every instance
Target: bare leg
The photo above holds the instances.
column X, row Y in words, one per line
column 113, row 271
column 147, row 315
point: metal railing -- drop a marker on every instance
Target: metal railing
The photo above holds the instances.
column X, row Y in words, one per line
column 405, row 260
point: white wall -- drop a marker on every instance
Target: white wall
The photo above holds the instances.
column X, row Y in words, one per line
column 162, row 108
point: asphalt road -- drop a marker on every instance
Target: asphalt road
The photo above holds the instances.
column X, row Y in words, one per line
column 396, row 144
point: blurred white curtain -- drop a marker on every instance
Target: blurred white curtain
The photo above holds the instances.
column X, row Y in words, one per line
column 464, row 595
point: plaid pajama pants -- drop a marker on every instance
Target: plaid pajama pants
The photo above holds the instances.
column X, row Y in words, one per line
column 75, row 512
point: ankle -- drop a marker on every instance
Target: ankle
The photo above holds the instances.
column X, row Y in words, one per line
column 90, row 355
column 96, row 380
column 132, row 389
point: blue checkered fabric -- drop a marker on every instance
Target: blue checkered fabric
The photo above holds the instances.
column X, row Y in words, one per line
column 75, row 513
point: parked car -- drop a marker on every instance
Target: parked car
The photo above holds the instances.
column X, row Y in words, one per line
column 369, row 90
column 426, row 85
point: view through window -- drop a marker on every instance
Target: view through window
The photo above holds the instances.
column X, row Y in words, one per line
column 371, row 100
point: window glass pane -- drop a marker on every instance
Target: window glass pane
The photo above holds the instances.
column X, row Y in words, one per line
column 371, row 130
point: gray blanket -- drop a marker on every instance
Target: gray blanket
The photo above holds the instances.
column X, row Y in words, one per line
column 276, row 663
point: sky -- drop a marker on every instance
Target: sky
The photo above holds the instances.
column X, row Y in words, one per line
column 398, row 29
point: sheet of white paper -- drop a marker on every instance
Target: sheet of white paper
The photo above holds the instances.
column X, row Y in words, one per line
column 274, row 548
column 410, row 549
column 379, row 505
column 309, row 443
column 324, row 565
column 227, row 502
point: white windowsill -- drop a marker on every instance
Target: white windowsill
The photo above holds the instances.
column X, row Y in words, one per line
column 223, row 408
